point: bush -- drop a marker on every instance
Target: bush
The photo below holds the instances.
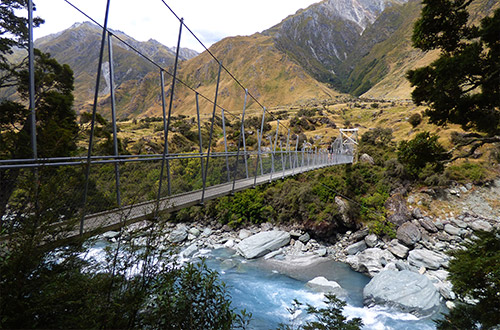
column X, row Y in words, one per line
column 421, row 152
column 467, row 172
column 415, row 120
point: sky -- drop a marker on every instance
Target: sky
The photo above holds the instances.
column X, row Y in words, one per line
column 210, row 20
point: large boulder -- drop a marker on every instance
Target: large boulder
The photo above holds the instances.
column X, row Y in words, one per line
column 371, row 261
column 262, row 243
column 179, row 234
column 408, row 291
column 481, row 225
column 399, row 250
column 355, row 248
column 409, row 234
column 397, row 210
column 321, row 284
column 428, row 259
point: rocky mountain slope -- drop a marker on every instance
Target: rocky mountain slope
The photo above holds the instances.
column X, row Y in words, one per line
column 360, row 47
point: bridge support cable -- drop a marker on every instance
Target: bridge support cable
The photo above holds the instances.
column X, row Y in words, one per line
column 94, row 113
column 211, row 134
column 31, row 64
column 259, row 152
column 202, row 163
column 241, row 138
column 165, row 160
column 228, row 172
column 113, row 119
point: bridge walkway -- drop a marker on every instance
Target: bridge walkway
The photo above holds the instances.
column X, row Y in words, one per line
column 116, row 218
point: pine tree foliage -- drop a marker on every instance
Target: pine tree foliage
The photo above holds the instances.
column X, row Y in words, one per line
column 475, row 275
column 463, row 85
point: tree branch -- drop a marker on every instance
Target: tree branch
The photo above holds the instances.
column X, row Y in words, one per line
column 477, row 142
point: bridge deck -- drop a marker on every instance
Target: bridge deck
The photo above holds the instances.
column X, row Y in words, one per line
column 129, row 214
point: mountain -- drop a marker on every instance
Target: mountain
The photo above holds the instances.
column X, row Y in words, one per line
column 325, row 35
column 79, row 47
column 360, row 47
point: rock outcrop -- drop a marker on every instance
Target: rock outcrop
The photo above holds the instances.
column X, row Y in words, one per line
column 406, row 290
column 262, row 243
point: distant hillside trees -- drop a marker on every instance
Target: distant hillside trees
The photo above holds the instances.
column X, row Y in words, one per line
column 463, row 85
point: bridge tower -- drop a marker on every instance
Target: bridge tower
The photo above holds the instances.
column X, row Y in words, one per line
column 349, row 141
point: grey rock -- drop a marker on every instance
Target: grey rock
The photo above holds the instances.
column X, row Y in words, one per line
column 443, row 236
column 321, row 284
column 365, row 158
column 371, row 240
column 360, row 234
column 452, row 230
column 408, row 234
column 439, row 225
column 355, row 248
column 399, row 250
column 178, row 235
column 296, row 233
column 194, row 231
column 111, row 234
column 189, row 251
column 428, row 225
column 305, row 238
column 405, row 290
column 244, row 233
column 459, row 223
column 428, row 259
column 481, row 225
column 417, row 213
column 446, row 290
column 402, row 265
column 273, row 254
column 321, row 252
column 398, row 211
column 206, row 232
column 262, row 243
column 373, row 260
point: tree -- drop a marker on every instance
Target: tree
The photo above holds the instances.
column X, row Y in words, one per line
column 422, row 152
column 56, row 120
column 463, row 85
column 475, row 275
column 13, row 33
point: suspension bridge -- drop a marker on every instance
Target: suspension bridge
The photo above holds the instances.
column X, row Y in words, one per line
column 100, row 192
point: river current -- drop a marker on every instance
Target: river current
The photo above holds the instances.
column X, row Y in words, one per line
column 266, row 293
column 259, row 288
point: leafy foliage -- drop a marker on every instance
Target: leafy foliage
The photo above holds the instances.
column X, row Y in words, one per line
column 327, row 318
column 66, row 288
column 422, row 152
column 463, row 85
column 415, row 120
column 475, row 276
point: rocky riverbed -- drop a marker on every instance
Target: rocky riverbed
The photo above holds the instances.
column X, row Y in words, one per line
column 409, row 272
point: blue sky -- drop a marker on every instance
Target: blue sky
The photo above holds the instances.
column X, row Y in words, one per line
column 210, row 20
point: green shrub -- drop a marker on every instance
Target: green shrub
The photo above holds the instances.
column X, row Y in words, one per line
column 415, row 120
column 424, row 151
column 466, row 172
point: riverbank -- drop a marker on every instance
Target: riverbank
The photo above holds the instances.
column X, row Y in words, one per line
column 416, row 255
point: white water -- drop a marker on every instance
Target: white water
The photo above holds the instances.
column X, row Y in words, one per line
column 267, row 294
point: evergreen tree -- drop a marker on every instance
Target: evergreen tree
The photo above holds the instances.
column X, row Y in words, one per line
column 463, row 85
column 56, row 119
column 475, row 275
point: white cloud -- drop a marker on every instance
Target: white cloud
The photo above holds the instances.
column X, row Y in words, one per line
column 210, row 20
